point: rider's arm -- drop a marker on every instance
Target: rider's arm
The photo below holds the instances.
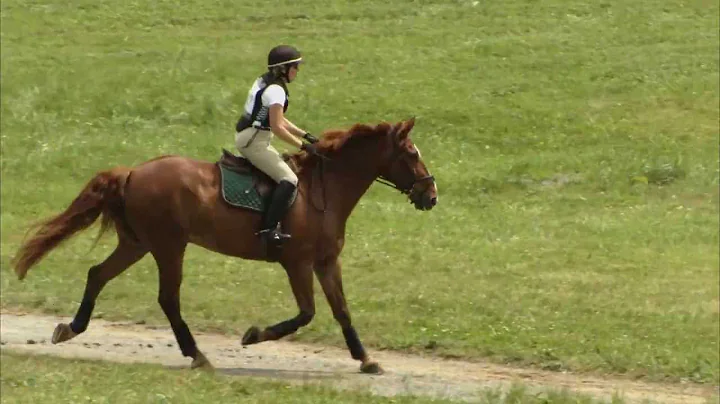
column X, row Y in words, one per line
column 294, row 129
column 279, row 126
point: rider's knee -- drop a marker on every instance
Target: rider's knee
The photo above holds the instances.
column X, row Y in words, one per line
column 291, row 178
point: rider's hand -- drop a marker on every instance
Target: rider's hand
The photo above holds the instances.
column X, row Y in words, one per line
column 310, row 149
column 310, row 138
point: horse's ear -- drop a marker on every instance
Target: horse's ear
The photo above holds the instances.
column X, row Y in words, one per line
column 403, row 128
column 409, row 124
column 396, row 130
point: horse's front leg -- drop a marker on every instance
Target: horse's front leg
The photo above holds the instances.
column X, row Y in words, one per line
column 329, row 274
column 301, row 282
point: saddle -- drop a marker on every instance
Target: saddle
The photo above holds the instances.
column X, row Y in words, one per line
column 239, row 164
column 244, row 185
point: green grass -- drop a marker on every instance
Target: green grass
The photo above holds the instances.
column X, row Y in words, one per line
column 39, row 379
column 575, row 146
column 36, row 379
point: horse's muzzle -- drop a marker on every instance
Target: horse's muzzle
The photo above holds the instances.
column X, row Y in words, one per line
column 424, row 201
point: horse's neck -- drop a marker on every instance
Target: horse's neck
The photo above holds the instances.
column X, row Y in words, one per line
column 345, row 191
column 349, row 175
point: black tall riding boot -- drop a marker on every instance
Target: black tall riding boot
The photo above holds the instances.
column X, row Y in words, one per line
column 279, row 203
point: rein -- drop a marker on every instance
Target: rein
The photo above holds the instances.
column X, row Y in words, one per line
column 321, row 166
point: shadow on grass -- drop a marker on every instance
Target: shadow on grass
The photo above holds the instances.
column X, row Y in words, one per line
column 278, row 374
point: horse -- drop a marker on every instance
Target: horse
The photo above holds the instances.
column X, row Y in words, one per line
column 161, row 205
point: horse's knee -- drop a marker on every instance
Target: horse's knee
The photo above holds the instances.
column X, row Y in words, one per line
column 305, row 317
column 343, row 318
column 167, row 302
column 93, row 273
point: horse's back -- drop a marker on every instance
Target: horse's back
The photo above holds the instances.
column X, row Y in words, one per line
column 171, row 187
column 172, row 173
column 181, row 196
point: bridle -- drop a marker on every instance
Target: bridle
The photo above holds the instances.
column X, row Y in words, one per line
column 396, row 155
column 405, row 191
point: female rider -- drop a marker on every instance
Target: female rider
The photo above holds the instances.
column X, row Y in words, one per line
column 264, row 116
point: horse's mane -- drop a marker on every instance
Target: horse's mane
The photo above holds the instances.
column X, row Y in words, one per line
column 335, row 139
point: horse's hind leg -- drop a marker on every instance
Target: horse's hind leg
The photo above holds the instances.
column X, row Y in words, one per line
column 125, row 254
column 170, row 260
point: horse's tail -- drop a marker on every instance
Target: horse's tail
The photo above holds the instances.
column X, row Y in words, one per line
column 104, row 194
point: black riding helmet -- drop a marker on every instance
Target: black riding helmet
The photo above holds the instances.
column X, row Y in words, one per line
column 283, row 55
column 281, row 58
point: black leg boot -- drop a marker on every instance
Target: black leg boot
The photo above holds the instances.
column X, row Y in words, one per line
column 279, row 203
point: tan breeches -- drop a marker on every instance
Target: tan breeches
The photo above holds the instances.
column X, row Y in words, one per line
column 254, row 145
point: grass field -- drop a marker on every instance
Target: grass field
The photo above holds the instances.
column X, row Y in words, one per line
column 35, row 379
column 575, row 147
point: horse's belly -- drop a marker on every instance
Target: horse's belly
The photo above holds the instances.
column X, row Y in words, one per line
column 229, row 231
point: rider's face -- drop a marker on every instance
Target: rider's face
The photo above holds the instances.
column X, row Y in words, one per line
column 292, row 73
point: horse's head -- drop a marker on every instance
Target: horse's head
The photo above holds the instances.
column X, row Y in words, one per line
column 406, row 170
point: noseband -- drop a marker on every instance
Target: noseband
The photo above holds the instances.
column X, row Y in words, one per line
column 405, row 191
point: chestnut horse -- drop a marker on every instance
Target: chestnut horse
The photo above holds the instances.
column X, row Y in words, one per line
column 161, row 205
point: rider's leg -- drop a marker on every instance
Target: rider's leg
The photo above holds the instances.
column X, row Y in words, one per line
column 280, row 202
column 255, row 146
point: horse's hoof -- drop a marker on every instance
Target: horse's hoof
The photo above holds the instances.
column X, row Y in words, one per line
column 252, row 336
column 201, row 362
column 63, row 333
column 371, row 367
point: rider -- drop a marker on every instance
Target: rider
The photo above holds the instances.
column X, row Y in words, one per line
column 264, row 116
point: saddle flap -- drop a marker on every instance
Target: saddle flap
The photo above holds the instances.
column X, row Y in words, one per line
column 243, row 184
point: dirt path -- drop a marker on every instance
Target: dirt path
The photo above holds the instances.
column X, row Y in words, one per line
column 405, row 374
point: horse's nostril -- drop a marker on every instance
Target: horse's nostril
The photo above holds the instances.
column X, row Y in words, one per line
column 433, row 201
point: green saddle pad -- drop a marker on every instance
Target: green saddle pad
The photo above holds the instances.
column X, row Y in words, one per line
column 239, row 190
